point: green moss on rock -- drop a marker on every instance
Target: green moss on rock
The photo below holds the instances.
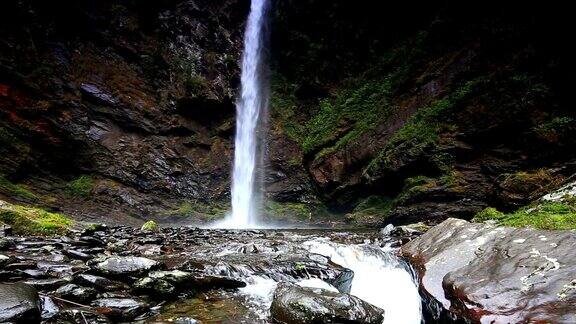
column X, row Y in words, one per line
column 372, row 210
column 33, row 221
column 81, row 186
column 421, row 133
column 200, row 210
column 546, row 215
column 149, row 226
column 16, row 190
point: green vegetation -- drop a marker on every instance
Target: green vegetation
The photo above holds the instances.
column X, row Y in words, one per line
column 422, row 131
column 284, row 107
column 543, row 215
column 33, row 221
column 342, row 119
column 200, row 210
column 149, row 226
column 16, row 190
column 81, row 186
column 354, row 107
column 556, row 128
column 290, row 210
column 373, row 209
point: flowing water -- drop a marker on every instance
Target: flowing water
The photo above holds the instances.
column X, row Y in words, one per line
column 250, row 119
column 264, row 258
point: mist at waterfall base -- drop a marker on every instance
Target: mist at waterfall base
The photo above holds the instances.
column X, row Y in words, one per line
column 251, row 110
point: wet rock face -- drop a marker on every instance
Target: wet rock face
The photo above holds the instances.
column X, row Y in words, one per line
column 479, row 272
column 19, row 303
column 299, row 305
column 108, row 101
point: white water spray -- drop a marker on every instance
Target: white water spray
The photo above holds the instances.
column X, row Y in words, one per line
column 251, row 110
column 379, row 279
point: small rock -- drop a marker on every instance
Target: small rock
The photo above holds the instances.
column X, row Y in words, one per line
column 5, row 230
column 34, row 273
column 49, row 308
column 76, row 293
column 92, row 92
column 5, row 244
column 156, row 288
column 217, row 282
column 126, row 266
column 74, row 254
column 19, row 303
column 80, row 316
column 120, row 309
column 299, row 305
column 185, row 320
column 3, row 260
column 99, row 283
column 46, row 284
column 22, row 265
column 91, row 229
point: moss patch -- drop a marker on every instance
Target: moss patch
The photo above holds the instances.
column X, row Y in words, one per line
column 353, row 107
column 543, row 215
column 295, row 211
column 80, row 187
column 422, row 131
column 556, row 128
column 372, row 210
column 149, row 226
column 33, row 221
column 16, row 190
column 200, row 210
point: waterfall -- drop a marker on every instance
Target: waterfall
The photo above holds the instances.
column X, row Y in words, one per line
column 251, row 110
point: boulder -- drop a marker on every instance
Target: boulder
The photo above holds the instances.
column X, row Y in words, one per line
column 484, row 273
column 301, row 305
column 126, row 266
column 19, row 303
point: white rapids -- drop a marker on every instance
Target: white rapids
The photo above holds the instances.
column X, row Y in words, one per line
column 379, row 278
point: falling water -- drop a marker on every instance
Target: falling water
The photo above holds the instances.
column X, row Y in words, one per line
column 251, row 114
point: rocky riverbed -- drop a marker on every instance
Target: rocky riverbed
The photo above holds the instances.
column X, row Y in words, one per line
column 465, row 272
column 182, row 275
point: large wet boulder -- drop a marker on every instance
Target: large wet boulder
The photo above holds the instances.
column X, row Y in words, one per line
column 302, row 305
column 19, row 303
column 484, row 273
column 126, row 266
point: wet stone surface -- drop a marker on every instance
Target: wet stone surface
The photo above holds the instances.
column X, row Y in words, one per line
column 483, row 273
column 298, row 305
column 122, row 274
